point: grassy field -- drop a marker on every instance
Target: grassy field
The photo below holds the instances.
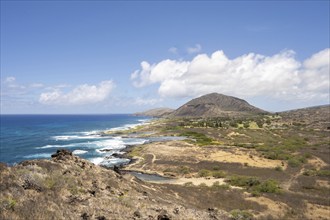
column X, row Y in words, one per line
column 277, row 162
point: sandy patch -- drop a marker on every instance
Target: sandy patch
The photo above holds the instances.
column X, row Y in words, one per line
column 197, row 181
column 317, row 162
column 233, row 133
column 185, row 151
column 242, row 157
column 323, row 183
column 317, row 211
column 274, row 208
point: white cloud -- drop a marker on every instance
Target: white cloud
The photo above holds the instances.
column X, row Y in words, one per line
column 195, row 49
column 250, row 75
column 166, row 69
column 173, row 50
column 10, row 79
column 82, row 94
column 36, row 85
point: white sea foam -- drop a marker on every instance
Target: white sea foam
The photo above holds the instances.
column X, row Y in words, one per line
column 39, row 155
column 97, row 160
column 114, row 161
column 76, row 137
column 112, row 144
column 95, row 132
column 109, row 143
column 108, row 162
column 105, row 150
column 79, row 152
column 57, row 146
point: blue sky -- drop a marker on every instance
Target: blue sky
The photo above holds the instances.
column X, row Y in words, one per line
column 122, row 57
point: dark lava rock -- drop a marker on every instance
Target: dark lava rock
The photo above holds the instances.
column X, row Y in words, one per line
column 62, row 154
column 116, row 169
column 163, row 215
column 85, row 216
column 31, row 184
column 105, row 150
column 117, row 155
column 137, row 214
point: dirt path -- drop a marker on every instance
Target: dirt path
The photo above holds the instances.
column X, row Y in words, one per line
column 287, row 185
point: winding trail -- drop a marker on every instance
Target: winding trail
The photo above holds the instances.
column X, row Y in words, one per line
column 287, row 185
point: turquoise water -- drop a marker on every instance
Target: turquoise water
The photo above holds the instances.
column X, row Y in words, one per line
column 26, row 137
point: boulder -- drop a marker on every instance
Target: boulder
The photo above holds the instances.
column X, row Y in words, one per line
column 62, row 154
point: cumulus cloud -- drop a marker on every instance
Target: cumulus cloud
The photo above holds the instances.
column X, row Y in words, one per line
column 162, row 71
column 82, row 94
column 249, row 75
column 197, row 48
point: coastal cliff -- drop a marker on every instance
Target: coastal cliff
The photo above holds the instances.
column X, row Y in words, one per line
column 68, row 187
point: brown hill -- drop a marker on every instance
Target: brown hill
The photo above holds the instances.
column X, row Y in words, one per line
column 157, row 112
column 215, row 105
column 316, row 117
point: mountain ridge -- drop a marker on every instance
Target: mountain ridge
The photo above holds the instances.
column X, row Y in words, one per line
column 156, row 112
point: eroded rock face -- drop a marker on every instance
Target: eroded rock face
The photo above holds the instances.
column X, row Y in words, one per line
column 68, row 187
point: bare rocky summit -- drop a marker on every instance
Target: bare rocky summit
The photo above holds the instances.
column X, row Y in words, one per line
column 216, row 105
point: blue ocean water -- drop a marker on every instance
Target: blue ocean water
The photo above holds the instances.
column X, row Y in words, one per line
column 25, row 137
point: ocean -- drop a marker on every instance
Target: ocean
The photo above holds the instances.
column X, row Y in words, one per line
column 26, row 137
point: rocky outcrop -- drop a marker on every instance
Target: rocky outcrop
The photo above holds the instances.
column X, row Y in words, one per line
column 69, row 187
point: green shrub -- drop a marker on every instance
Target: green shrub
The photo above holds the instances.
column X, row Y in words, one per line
column 8, row 203
column 278, row 168
column 184, row 170
column 254, row 185
column 246, row 124
column 269, row 186
column 309, row 172
column 201, row 139
column 243, row 181
column 323, row 173
column 204, row 173
column 219, row 174
column 237, row 214
column 294, row 162
column 307, row 155
column 216, row 185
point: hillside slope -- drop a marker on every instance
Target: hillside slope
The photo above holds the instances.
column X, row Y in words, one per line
column 316, row 117
column 68, row 187
column 216, row 105
column 157, row 112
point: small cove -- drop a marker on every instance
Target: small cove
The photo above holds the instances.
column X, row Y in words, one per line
column 151, row 177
